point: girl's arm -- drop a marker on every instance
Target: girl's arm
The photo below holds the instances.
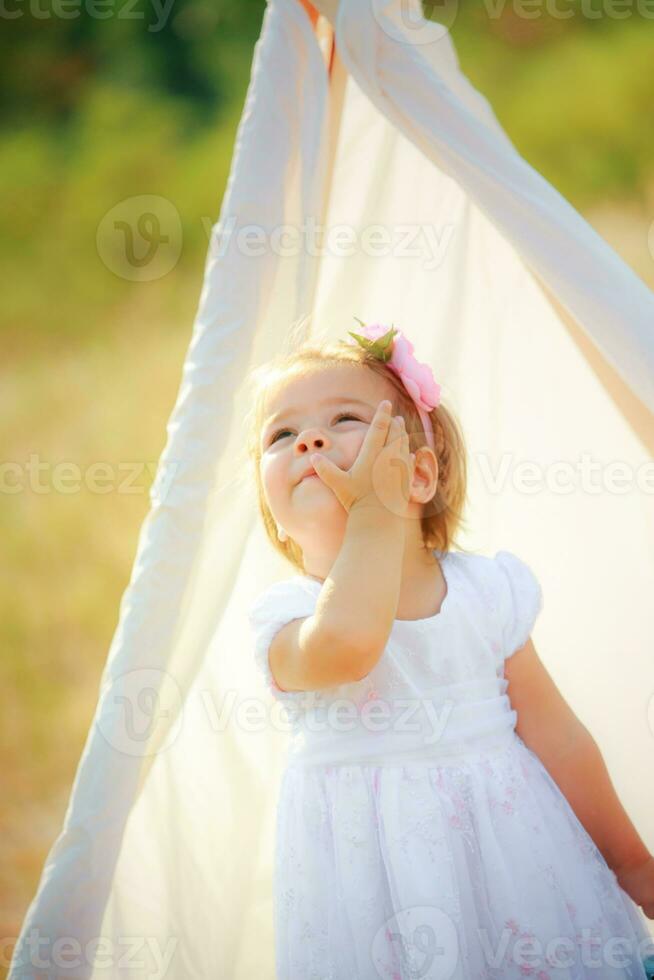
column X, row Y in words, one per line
column 362, row 591
column 548, row 726
column 347, row 634
column 357, row 605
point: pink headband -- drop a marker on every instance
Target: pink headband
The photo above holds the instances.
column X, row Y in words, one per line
column 396, row 350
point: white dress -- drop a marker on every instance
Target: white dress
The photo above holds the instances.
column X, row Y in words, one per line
column 417, row 836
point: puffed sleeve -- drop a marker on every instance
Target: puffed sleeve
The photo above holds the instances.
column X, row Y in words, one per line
column 520, row 601
column 277, row 605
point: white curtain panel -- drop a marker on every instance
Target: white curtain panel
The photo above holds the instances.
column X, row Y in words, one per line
column 387, row 191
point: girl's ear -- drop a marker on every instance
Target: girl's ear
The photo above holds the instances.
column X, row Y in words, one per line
column 425, row 475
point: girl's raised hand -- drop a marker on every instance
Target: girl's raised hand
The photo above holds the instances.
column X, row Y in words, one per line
column 381, row 474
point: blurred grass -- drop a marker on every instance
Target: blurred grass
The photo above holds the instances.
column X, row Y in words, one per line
column 82, row 346
column 579, row 114
column 54, row 199
column 68, row 554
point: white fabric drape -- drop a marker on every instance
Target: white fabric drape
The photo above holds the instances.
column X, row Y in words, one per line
column 167, row 846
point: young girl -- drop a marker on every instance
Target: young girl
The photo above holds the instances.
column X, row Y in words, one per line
column 429, row 824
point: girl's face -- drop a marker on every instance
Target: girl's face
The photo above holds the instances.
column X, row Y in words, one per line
column 326, row 410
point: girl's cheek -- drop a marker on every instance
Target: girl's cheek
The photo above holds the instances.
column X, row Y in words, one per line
column 264, row 472
column 354, row 445
column 274, row 472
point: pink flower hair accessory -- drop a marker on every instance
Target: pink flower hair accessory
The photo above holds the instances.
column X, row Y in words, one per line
column 396, row 350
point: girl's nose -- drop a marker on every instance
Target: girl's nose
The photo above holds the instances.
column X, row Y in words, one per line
column 310, row 439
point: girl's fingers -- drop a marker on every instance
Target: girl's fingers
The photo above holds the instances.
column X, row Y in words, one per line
column 328, row 472
column 378, row 430
column 399, row 432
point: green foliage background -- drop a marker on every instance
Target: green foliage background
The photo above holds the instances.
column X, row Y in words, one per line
column 95, row 110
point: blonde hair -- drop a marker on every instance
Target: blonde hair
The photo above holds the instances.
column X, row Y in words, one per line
column 442, row 516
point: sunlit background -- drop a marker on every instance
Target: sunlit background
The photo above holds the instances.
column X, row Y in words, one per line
column 107, row 107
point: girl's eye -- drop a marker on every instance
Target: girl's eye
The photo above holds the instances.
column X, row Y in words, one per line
column 277, row 435
column 339, row 418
